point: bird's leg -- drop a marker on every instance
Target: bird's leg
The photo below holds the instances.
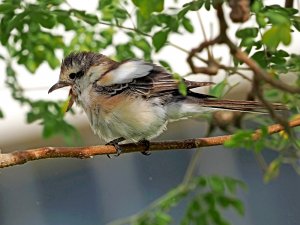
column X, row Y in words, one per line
column 146, row 143
column 115, row 143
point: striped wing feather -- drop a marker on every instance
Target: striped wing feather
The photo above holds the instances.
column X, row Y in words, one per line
column 141, row 78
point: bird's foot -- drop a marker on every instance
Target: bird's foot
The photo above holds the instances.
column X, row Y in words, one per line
column 146, row 143
column 115, row 143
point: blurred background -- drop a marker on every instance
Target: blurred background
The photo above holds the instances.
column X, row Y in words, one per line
column 99, row 190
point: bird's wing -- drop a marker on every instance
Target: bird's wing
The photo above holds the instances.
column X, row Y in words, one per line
column 125, row 72
column 141, row 78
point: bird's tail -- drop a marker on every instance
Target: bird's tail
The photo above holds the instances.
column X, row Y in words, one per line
column 238, row 105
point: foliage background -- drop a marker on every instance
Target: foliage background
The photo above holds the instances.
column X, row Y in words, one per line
column 35, row 34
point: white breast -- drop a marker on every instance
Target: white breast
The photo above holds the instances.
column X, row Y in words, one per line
column 132, row 118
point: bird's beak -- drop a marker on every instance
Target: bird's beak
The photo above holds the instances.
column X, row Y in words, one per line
column 58, row 85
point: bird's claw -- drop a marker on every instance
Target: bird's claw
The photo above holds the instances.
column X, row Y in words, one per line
column 115, row 143
column 146, row 153
column 146, row 143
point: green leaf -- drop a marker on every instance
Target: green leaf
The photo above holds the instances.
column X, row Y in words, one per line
column 216, row 184
column 182, row 12
column 120, row 13
column 272, row 170
column 277, row 34
column 147, row 7
column 160, row 39
column 296, row 22
column 1, row 114
column 143, row 45
column 242, row 138
column 216, row 3
column 207, row 5
column 55, row 2
column 88, row 18
column 52, row 60
column 124, row 51
column 256, row 6
column 63, row 17
column 247, row 42
column 47, row 20
column 277, row 18
column 261, row 19
column 104, row 3
column 260, row 58
column 194, row 5
column 202, row 181
column 10, row 72
column 247, row 32
column 277, row 9
column 32, row 116
column 170, row 21
column 172, row 198
column 218, row 90
column 281, row 53
column 285, row 35
column 234, row 203
column 216, row 217
column 7, row 7
column 49, row 129
column 17, row 20
column 182, row 88
column 277, row 60
column 163, row 218
column 238, row 206
column 271, row 37
column 165, row 64
column 187, row 25
column 232, row 184
column 190, row 6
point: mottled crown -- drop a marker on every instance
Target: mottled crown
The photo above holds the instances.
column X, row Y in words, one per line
column 82, row 61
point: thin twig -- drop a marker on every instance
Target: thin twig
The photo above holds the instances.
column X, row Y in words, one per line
column 150, row 36
column 261, row 161
column 191, row 167
column 289, row 3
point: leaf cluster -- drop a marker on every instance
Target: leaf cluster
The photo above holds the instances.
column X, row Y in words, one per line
column 207, row 198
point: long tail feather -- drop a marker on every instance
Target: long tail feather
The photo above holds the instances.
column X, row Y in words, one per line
column 239, row 105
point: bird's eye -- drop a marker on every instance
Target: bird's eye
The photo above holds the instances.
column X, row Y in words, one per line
column 72, row 76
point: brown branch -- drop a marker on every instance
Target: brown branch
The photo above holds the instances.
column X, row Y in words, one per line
column 240, row 10
column 242, row 56
column 21, row 157
column 289, row 3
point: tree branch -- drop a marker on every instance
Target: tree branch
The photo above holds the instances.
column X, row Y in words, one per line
column 289, row 3
column 21, row 157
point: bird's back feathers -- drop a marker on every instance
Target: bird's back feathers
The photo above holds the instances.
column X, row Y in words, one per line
column 140, row 78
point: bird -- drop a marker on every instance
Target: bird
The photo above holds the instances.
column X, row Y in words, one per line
column 134, row 100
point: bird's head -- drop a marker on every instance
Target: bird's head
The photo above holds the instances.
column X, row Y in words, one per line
column 75, row 66
column 78, row 66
